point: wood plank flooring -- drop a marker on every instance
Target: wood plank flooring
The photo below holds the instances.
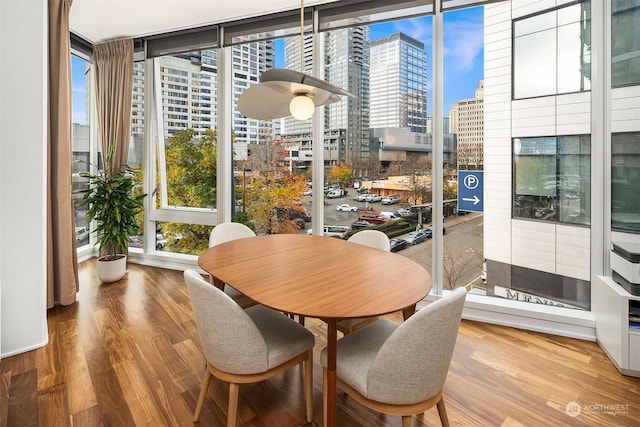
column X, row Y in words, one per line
column 128, row 354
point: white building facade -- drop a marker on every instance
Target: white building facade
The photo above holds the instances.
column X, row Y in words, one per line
column 560, row 183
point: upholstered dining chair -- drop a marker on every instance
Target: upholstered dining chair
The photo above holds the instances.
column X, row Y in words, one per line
column 246, row 345
column 400, row 369
column 226, row 232
column 375, row 239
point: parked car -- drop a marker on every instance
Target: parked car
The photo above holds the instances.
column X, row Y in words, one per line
column 161, row 241
column 372, row 198
column 345, row 207
column 404, row 212
column 429, row 231
column 135, row 242
column 333, row 231
column 389, row 215
column 416, row 237
column 294, row 213
column 81, row 234
column 308, row 192
column 361, row 224
column 360, row 197
column 372, row 217
column 333, row 194
column 390, row 200
column 398, row 244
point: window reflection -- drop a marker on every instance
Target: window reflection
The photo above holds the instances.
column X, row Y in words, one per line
column 625, row 181
column 552, row 179
column 552, row 52
column 625, row 42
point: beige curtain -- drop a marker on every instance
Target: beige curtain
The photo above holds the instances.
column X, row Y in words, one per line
column 62, row 263
column 114, row 88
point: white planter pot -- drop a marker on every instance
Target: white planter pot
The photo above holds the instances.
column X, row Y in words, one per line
column 110, row 270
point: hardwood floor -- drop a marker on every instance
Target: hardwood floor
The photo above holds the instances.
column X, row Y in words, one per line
column 128, row 354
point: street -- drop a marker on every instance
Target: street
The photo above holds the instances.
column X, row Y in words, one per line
column 463, row 241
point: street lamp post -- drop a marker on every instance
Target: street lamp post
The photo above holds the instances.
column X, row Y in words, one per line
column 244, row 189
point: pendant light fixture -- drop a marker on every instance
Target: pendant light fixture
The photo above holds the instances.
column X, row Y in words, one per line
column 283, row 92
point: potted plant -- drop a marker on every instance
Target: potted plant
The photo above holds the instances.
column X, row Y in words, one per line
column 113, row 204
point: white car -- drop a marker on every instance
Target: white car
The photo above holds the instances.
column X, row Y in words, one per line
column 346, row 208
column 390, row 200
column 81, row 234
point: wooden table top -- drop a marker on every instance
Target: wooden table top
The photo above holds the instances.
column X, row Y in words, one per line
column 317, row 276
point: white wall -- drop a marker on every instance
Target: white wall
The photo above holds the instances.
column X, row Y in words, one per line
column 23, row 132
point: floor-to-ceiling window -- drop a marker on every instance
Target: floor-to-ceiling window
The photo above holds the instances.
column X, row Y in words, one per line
column 522, row 119
column 625, row 138
column 81, row 143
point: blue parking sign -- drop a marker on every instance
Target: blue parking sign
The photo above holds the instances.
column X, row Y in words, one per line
column 470, row 191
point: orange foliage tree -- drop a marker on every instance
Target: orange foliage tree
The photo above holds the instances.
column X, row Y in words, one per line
column 274, row 191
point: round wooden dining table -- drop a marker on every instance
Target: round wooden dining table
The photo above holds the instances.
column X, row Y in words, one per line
column 317, row 276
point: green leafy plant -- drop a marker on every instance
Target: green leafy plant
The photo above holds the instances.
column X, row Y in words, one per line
column 114, row 205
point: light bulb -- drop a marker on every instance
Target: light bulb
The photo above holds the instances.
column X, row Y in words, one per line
column 301, row 107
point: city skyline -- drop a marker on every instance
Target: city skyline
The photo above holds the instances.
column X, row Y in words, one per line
column 463, row 56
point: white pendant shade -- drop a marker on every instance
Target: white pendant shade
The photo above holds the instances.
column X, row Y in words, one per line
column 272, row 97
column 301, row 107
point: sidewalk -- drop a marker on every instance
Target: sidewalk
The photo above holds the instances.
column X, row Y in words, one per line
column 455, row 220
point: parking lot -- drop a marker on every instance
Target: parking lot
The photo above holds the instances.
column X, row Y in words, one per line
column 463, row 241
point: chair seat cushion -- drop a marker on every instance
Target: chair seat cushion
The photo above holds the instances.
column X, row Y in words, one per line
column 348, row 323
column 357, row 351
column 285, row 338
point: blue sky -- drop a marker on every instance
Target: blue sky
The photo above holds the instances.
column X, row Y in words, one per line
column 463, row 48
column 463, row 40
column 463, row 56
column 78, row 91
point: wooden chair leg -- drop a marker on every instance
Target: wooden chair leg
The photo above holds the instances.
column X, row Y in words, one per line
column 406, row 420
column 308, row 384
column 301, row 320
column 232, row 413
column 206, row 380
column 442, row 412
column 324, row 395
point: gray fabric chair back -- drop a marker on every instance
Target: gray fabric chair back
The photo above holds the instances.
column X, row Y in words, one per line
column 373, row 238
column 412, row 365
column 230, row 340
column 228, row 231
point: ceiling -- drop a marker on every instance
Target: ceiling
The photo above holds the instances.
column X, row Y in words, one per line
column 98, row 21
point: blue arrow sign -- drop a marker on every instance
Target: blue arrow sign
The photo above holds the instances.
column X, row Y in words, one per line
column 470, row 191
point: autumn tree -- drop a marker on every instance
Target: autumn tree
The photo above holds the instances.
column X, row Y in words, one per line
column 340, row 173
column 191, row 166
column 450, row 190
column 274, row 192
column 417, row 169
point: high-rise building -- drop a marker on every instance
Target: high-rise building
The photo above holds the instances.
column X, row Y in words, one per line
column 467, row 122
column 346, row 121
column 347, row 66
column 398, row 83
column 445, row 124
column 190, row 87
